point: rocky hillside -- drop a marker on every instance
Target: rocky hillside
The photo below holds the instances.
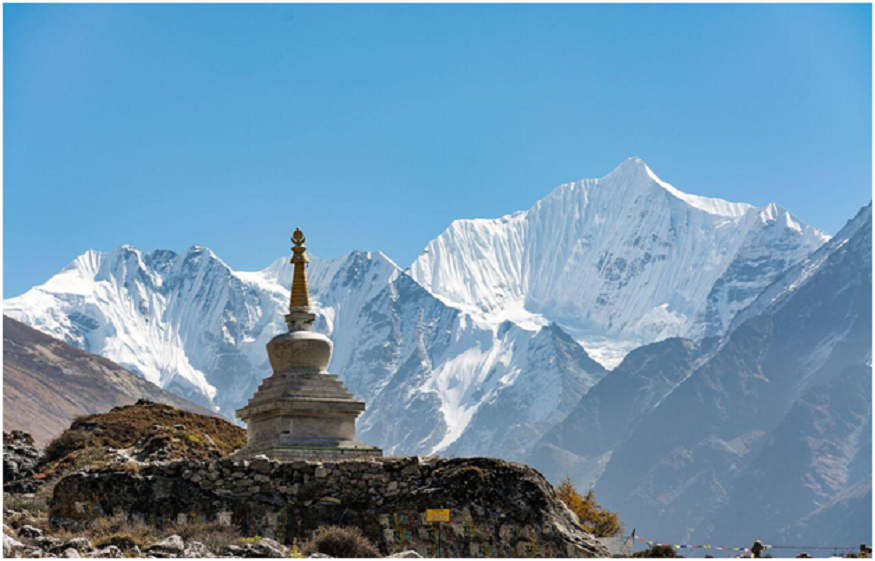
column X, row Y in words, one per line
column 48, row 383
column 143, row 432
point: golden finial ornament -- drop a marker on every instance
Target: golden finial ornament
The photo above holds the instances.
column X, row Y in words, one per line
column 300, row 291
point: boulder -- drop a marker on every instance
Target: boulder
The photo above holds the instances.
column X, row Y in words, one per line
column 265, row 548
column 11, row 547
column 196, row 550
column 28, row 531
column 110, row 552
column 171, row 546
column 49, row 543
column 231, row 551
column 79, row 544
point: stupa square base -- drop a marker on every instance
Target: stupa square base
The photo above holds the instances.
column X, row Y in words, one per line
column 310, row 453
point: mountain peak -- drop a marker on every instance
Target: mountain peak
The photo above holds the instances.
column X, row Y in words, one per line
column 632, row 162
column 635, row 171
column 601, row 257
column 196, row 250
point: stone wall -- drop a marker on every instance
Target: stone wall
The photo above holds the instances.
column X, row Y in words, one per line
column 498, row 509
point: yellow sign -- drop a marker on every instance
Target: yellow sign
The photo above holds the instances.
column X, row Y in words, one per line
column 437, row 515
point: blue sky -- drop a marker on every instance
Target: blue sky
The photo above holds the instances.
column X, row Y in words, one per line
column 373, row 127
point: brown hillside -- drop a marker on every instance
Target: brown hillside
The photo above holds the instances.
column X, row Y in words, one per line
column 145, row 431
column 47, row 383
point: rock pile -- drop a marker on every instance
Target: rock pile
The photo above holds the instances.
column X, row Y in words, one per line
column 497, row 509
column 20, row 459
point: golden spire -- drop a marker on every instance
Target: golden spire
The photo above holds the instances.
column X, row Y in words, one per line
column 300, row 291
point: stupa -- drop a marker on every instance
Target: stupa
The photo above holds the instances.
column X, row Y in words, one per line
column 302, row 412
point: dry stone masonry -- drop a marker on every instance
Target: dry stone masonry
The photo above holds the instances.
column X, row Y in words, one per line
column 498, row 509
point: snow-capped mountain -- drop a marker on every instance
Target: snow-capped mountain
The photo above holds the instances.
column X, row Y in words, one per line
column 471, row 351
column 187, row 321
column 618, row 262
column 191, row 324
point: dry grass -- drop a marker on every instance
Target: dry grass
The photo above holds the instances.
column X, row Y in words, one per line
column 125, row 533
column 149, row 426
column 120, row 531
column 31, row 509
column 337, row 541
column 213, row 535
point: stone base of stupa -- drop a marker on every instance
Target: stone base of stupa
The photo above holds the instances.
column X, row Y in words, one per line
column 314, row 454
column 304, row 415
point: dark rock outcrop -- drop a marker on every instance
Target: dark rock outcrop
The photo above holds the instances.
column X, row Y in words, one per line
column 497, row 508
column 20, row 460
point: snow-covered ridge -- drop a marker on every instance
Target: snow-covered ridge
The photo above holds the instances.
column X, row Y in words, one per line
column 787, row 283
column 154, row 312
column 717, row 207
column 191, row 324
column 619, row 261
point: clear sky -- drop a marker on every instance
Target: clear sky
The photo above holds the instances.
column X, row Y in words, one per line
column 373, row 127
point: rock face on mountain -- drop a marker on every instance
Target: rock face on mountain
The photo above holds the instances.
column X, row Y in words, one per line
column 581, row 445
column 842, row 520
column 47, row 383
column 496, row 508
column 773, row 426
column 627, row 257
column 818, row 453
column 504, row 426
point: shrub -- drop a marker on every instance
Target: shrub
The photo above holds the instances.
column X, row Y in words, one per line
column 124, row 542
column 69, row 441
column 337, row 541
column 249, row 540
column 657, row 551
column 598, row 521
